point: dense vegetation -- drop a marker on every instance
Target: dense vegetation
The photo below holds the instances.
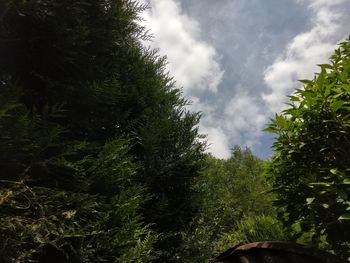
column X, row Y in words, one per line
column 310, row 169
column 101, row 161
column 235, row 205
column 97, row 150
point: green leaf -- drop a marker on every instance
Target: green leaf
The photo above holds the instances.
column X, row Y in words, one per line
column 282, row 122
column 336, row 105
column 333, row 171
column 327, row 90
column 346, row 87
column 306, row 81
column 346, row 182
column 320, row 79
column 310, row 200
column 325, row 66
column 294, row 98
column 321, row 184
column 344, row 217
column 271, row 129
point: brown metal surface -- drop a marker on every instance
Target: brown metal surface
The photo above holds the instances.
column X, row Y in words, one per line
column 274, row 252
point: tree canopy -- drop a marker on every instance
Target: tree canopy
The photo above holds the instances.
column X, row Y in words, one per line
column 101, row 160
column 235, row 205
column 97, row 148
column 310, row 168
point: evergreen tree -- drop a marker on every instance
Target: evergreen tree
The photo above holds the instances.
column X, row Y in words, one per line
column 66, row 201
column 93, row 132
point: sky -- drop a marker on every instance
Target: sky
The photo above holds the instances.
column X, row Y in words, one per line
column 238, row 60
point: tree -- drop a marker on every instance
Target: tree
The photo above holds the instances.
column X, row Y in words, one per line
column 74, row 80
column 61, row 201
column 310, row 168
column 235, row 205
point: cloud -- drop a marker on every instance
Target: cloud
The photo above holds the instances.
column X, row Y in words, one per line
column 191, row 61
column 218, row 142
column 259, row 45
column 247, row 118
column 305, row 51
column 210, row 125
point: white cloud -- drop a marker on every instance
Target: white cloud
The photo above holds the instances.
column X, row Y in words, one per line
column 191, row 61
column 237, row 113
column 246, row 118
column 305, row 51
column 218, row 142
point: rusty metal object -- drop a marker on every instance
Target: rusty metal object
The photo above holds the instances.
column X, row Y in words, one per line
column 274, row 252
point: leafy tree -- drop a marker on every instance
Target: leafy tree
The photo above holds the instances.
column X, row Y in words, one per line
column 310, row 169
column 231, row 189
column 252, row 229
column 234, row 206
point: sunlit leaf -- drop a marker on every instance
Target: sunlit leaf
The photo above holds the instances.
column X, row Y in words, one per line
column 310, row 200
column 344, row 217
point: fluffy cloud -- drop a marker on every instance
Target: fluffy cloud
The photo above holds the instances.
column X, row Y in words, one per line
column 261, row 67
column 305, row 51
column 247, row 118
column 213, row 127
column 218, row 141
column 192, row 61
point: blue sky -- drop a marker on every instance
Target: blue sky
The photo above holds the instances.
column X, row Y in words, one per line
column 237, row 60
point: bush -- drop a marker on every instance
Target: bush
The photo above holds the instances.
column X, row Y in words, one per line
column 252, row 229
column 310, row 169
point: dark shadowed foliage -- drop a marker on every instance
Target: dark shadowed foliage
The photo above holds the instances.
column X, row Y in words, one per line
column 274, row 252
column 97, row 151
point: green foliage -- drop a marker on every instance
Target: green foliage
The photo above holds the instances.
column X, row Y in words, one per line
column 91, row 128
column 52, row 208
column 235, row 204
column 252, row 229
column 233, row 188
column 310, row 169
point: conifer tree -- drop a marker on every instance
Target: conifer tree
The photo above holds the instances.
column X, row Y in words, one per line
column 93, row 133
